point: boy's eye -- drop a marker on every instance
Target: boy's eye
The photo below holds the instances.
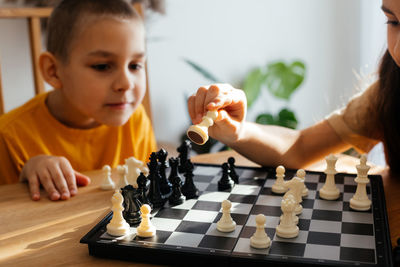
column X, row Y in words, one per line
column 101, row 67
column 135, row 66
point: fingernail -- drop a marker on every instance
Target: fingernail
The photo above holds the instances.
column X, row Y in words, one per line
column 55, row 196
column 64, row 196
column 73, row 191
column 35, row 197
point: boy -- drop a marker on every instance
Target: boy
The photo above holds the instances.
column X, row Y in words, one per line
column 95, row 62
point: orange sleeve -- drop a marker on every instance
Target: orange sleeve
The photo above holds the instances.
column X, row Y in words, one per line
column 9, row 170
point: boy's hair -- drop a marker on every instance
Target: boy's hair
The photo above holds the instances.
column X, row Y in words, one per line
column 68, row 15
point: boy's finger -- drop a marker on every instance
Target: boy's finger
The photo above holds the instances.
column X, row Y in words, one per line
column 69, row 175
column 47, row 182
column 212, row 100
column 34, row 187
column 81, row 179
column 59, row 181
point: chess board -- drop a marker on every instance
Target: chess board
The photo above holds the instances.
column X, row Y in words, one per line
column 331, row 234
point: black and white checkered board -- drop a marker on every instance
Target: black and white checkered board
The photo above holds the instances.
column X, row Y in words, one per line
column 331, row 234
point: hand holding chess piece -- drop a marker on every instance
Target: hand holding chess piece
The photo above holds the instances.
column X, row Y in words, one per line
column 199, row 133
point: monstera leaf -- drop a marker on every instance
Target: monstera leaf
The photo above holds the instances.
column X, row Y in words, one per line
column 282, row 80
column 253, row 84
column 285, row 118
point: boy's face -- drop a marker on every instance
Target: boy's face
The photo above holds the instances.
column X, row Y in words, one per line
column 103, row 80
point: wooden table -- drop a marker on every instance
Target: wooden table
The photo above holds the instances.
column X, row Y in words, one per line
column 47, row 233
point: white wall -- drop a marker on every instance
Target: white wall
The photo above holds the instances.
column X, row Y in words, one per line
column 229, row 38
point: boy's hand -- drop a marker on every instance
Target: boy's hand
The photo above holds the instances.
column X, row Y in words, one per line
column 56, row 176
column 231, row 104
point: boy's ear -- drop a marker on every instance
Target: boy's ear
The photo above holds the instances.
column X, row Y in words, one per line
column 49, row 65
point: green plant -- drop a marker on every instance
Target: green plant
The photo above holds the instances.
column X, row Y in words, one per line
column 280, row 79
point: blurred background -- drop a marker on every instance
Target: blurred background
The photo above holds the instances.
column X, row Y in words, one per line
column 338, row 43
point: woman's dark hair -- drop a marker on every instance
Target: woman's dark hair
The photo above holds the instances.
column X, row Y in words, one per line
column 389, row 110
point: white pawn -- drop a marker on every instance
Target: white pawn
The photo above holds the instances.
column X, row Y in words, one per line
column 226, row 224
column 108, row 183
column 146, row 228
column 260, row 239
column 295, row 186
column 279, row 186
column 117, row 226
column 360, row 200
column 122, row 171
column 199, row 133
column 302, row 175
column 329, row 191
column 287, row 228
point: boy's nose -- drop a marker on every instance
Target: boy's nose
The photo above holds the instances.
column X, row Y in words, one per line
column 124, row 81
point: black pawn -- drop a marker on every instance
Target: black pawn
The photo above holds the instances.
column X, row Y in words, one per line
column 155, row 196
column 232, row 170
column 165, row 186
column 142, row 190
column 189, row 189
column 132, row 205
column 173, row 163
column 225, row 183
column 184, row 152
column 176, row 197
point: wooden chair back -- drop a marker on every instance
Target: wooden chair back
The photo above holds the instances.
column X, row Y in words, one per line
column 33, row 16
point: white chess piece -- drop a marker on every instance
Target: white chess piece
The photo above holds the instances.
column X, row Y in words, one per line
column 295, row 186
column 279, row 186
column 360, row 200
column 108, row 183
column 287, row 228
column 302, row 175
column 117, row 226
column 122, row 172
column 329, row 191
column 134, row 167
column 199, row 133
column 260, row 239
column 146, row 228
column 226, row 224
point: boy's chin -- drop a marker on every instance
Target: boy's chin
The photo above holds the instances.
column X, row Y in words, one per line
column 115, row 122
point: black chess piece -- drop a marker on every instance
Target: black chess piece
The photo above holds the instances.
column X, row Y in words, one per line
column 396, row 254
column 132, row 205
column 176, row 197
column 184, row 153
column 155, row 196
column 225, row 183
column 165, row 185
column 173, row 163
column 232, row 170
column 189, row 190
column 142, row 190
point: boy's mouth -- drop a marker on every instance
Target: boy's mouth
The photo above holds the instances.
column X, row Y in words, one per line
column 119, row 105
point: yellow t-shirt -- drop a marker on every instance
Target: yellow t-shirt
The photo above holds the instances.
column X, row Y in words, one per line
column 31, row 130
column 357, row 122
